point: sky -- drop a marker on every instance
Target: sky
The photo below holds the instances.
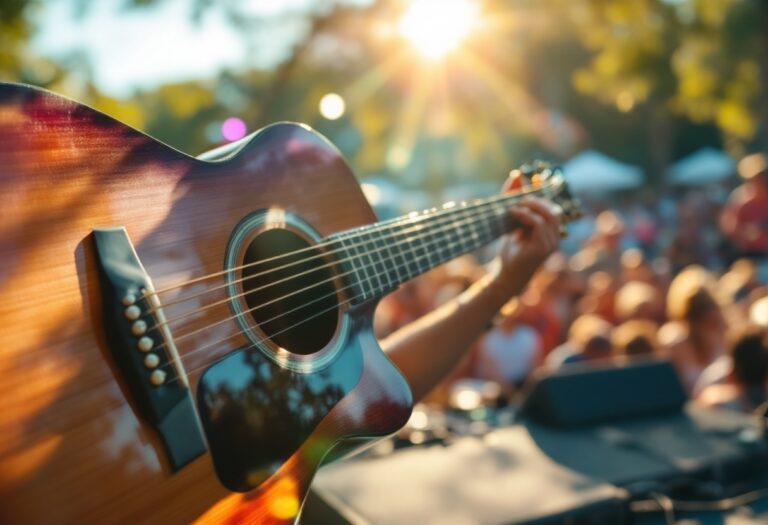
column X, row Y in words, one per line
column 144, row 47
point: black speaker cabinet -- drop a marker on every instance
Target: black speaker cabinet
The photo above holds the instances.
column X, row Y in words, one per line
column 585, row 394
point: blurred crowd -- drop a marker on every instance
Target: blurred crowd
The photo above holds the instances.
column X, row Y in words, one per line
column 682, row 277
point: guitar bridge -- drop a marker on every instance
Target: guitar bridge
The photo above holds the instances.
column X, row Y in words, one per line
column 143, row 350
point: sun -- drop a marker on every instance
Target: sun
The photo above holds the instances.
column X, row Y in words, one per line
column 437, row 27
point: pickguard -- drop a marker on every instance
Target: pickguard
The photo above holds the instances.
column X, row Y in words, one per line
column 256, row 413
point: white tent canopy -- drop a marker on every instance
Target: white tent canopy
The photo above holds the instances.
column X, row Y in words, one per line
column 592, row 171
column 706, row 165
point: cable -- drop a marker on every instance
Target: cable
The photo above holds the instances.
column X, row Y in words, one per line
column 669, row 505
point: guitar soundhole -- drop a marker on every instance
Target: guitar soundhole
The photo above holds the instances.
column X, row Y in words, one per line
column 289, row 291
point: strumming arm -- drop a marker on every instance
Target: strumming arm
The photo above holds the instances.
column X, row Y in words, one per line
column 426, row 350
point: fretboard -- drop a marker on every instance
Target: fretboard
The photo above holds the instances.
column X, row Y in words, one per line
column 377, row 258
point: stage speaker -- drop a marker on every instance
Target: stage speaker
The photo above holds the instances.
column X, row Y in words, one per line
column 586, row 394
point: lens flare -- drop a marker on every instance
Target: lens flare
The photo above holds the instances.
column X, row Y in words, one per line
column 437, row 27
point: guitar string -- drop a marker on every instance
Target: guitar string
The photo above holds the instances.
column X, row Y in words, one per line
column 413, row 226
column 527, row 191
column 466, row 216
column 369, row 278
column 295, row 292
column 467, row 219
column 257, row 343
column 465, row 212
column 186, row 356
column 275, row 318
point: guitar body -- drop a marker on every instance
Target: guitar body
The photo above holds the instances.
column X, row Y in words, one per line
column 74, row 447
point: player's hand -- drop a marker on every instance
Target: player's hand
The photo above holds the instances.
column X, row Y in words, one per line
column 528, row 246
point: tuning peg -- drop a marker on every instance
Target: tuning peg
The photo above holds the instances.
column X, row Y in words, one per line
column 514, row 182
column 547, row 172
column 527, row 170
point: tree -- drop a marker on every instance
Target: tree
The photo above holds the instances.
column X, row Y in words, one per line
column 703, row 59
column 639, row 80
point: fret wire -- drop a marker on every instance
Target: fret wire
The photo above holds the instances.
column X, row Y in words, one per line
column 435, row 248
column 466, row 234
column 394, row 235
column 444, row 242
column 491, row 223
column 430, row 246
column 367, row 259
column 402, row 263
column 381, row 255
column 471, row 239
column 365, row 281
column 418, row 248
column 458, row 234
column 475, row 234
column 413, row 243
column 501, row 214
column 392, row 274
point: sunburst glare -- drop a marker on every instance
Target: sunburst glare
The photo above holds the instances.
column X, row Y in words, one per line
column 437, row 27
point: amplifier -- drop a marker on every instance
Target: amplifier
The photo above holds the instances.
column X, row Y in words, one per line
column 585, row 394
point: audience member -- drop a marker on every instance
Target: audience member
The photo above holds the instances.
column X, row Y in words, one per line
column 635, row 267
column 637, row 300
column 637, row 337
column 699, row 322
column 568, row 313
column 588, row 340
column 746, row 387
column 599, row 297
column 744, row 220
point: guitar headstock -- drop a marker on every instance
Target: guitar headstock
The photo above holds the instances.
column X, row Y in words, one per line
column 549, row 181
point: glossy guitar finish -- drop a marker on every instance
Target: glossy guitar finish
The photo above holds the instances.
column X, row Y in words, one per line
column 72, row 449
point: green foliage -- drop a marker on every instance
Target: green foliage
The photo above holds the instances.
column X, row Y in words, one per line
column 534, row 82
column 698, row 58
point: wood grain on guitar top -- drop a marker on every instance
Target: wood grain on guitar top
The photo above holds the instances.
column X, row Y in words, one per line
column 72, row 449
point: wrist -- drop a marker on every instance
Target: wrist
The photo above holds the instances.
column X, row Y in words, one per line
column 506, row 281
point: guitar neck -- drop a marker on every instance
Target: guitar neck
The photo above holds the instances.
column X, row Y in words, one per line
column 377, row 258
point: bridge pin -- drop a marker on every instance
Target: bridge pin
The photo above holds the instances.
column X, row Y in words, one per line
column 151, row 360
column 139, row 327
column 146, row 344
column 133, row 312
column 157, row 377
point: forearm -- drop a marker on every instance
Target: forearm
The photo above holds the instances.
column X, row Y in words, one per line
column 426, row 350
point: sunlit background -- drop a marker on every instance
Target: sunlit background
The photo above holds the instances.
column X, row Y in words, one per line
column 649, row 105
column 431, row 95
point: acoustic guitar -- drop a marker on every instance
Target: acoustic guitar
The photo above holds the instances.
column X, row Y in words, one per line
column 187, row 339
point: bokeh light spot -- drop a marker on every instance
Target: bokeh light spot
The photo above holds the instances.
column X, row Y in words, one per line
column 233, row 129
column 625, row 101
column 332, row 106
